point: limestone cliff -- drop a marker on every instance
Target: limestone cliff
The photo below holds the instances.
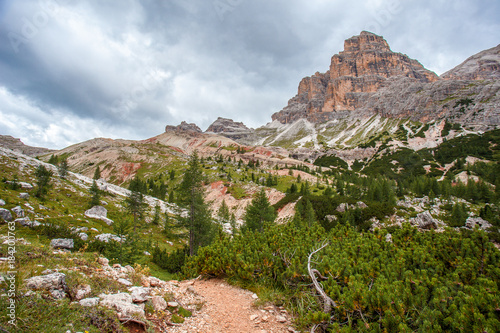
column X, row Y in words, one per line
column 355, row 73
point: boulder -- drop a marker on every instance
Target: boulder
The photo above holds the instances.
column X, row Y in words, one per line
column 125, row 282
column 159, row 303
column 5, row 214
column 100, row 213
column 50, row 282
column 103, row 261
column 24, row 195
column 2, row 202
column 425, row 220
column 94, row 301
column 83, row 236
column 26, row 186
column 154, row 282
column 24, row 221
column 139, row 294
column 62, row 243
column 122, row 303
column 83, row 292
column 19, row 211
column 107, row 237
column 482, row 224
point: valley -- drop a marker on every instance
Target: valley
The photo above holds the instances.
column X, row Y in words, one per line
column 369, row 203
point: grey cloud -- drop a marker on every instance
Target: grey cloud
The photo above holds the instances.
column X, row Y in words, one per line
column 128, row 69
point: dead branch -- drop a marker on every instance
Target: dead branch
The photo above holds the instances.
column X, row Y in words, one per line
column 328, row 302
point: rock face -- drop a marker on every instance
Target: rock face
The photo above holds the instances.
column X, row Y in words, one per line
column 482, row 66
column 184, row 127
column 61, row 243
column 15, row 144
column 225, row 125
column 360, row 70
column 54, row 283
column 367, row 78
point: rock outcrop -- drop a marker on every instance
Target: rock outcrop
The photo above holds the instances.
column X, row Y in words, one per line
column 225, row 125
column 360, row 70
column 17, row 145
column 367, row 78
column 482, row 66
column 183, row 127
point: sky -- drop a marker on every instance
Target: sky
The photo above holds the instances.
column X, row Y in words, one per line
column 73, row 70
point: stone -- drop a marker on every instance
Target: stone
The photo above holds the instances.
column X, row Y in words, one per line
column 100, row 213
column 62, row 243
column 388, row 238
column 26, row 186
column 125, row 282
column 83, row 236
column 24, row 221
column 50, row 282
column 5, row 215
column 94, row 301
column 2, row 202
column 254, row 317
column 159, row 303
column 280, row 319
column 139, row 294
column 425, row 220
column 122, row 303
column 24, row 195
column 57, row 294
column 103, row 261
column 482, row 224
column 83, row 292
column 106, row 238
column 172, row 304
column 153, row 281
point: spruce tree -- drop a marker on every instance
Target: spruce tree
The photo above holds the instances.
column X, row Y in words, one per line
column 95, row 193
column 259, row 213
column 97, row 173
column 43, row 176
column 198, row 221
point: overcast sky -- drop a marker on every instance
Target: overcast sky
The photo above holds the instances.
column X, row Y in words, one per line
column 72, row 70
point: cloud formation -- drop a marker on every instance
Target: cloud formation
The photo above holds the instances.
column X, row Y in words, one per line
column 73, row 70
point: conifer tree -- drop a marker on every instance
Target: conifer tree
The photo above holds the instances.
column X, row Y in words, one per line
column 259, row 213
column 95, row 193
column 63, row 168
column 97, row 173
column 43, row 176
column 198, row 222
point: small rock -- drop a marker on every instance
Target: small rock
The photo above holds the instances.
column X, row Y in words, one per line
column 2, row 202
column 139, row 294
column 103, row 261
column 125, row 282
column 172, row 304
column 159, row 303
column 62, row 243
column 94, row 229
column 154, row 282
column 254, row 317
column 280, row 319
column 83, row 236
column 254, row 296
column 24, row 221
column 50, row 282
column 5, row 214
column 83, row 292
column 24, row 195
column 94, row 301
column 388, row 238
column 146, row 253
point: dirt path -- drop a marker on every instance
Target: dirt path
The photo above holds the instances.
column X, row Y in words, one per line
column 229, row 309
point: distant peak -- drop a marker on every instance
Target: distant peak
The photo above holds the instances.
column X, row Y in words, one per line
column 224, row 125
column 184, row 127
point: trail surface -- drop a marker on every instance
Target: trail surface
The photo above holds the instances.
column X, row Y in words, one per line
column 229, row 309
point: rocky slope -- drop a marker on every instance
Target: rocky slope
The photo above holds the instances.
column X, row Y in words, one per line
column 361, row 69
column 15, row 144
column 367, row 78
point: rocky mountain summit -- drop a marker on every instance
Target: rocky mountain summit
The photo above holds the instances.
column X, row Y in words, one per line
column 482, row 66
column 15, row 144
column 225, row 125
column 369, row 78
column 183, row 127
column 355, row 73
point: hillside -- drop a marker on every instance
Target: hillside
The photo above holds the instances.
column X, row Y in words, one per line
column 370, row 203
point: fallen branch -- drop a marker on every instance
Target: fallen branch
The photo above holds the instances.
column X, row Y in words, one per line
column 328, row 302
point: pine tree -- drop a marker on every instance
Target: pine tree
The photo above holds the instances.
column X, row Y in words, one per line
column 43, row 176
column 224, row 217
column 259, row 213
column 134, row 204
column 309, row 215
column 198, row 222
column 97, row 173
column 95, row 193
column 63, row 168
column 156, row 217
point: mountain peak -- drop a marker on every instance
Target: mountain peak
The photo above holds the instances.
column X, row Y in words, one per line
column 484, row 65
column 184, row 127
column 355, row 73
column 225, row 125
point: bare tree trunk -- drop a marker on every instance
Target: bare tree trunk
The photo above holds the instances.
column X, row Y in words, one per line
column 327, row 301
